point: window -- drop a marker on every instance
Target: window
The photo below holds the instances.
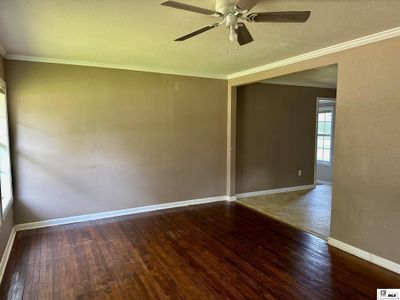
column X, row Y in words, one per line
column 324, row 135
column 5, row 168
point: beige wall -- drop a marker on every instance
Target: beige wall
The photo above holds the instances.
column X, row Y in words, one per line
column 275, row 134
column 8, row 222
column 88, row 139
column 73, row 141
column 366, row 175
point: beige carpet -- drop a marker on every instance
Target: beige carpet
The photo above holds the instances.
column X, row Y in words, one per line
column 309, row 210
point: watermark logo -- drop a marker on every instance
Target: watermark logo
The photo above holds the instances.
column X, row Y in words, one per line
column 388, row 294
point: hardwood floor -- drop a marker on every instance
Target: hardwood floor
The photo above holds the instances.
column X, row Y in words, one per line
column 214, row 251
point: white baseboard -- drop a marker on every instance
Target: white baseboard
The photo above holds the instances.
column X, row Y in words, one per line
column 116, row 213
column 333, row 242
column 275, row 191
column 231, row 198
column 96, row 216
column 6, row 254
column 377, row 260
column 323, row 182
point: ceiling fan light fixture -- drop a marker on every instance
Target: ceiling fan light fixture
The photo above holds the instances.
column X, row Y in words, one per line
column 233, row 35
column 233, row 13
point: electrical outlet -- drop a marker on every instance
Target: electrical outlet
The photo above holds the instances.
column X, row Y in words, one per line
column 299, row 172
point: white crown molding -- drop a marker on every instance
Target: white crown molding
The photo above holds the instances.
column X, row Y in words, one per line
column 117, row 213
column 387, row 34
column 377, row 260
column 6, row 254
column 302, row 84
column 276, row 191
column 110, row 66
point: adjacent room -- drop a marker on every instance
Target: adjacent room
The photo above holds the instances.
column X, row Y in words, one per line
column 284, row 158
column 219, row 149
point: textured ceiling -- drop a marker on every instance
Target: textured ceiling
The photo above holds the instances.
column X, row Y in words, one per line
column 325, row 77
column 141, row 33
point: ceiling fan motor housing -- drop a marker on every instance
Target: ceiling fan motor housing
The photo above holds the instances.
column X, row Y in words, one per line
column 232, row 13
column 225, row 6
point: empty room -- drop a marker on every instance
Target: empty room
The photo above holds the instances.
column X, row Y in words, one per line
column 218, row 149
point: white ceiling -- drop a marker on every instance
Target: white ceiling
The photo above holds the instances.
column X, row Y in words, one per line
column 141, row 33
column 325, row 77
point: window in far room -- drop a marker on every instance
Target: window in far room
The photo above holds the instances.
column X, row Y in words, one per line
column 5, row 166
column 324, row 136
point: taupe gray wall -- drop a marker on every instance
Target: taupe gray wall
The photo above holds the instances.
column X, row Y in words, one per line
column 366, row 174
column 276, row 135
column 88, row 139
column 8, row 222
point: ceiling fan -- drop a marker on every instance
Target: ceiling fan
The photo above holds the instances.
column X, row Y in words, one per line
column 233, row 12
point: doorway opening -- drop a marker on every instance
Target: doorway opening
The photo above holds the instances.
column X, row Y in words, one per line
column 285, row 147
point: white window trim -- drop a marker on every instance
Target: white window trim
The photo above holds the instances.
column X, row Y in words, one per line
column 321, row 110
column 8, row 207
column 329, row 102
column 3, row 214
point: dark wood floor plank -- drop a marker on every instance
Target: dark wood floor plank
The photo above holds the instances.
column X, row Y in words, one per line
column 214, row 251
column 244, row 256
column 247, row 251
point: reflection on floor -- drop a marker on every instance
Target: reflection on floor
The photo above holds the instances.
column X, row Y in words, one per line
column 209, row 251
column 309, row 210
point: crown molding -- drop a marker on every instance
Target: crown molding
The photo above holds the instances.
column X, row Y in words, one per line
column 302, row 84
column 110, row 66
column 387, row 34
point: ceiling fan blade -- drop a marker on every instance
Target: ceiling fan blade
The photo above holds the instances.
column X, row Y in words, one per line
column 191, row 8
column 244, row 36
column 198, row 31
column 246, row 4
column 280, row 16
